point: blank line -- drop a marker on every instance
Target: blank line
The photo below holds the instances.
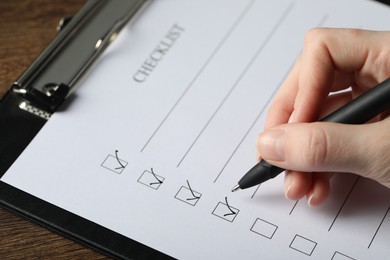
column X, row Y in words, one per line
column 219, row 46
column 246, row 69
column 210, row 119
column 291, row 211
column 322, row 21
column 376, row 232
column 345, row 201
column 254, row 193
column 245, row 135
column 251, row 126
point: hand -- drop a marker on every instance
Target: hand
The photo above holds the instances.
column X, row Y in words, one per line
column 331, row 60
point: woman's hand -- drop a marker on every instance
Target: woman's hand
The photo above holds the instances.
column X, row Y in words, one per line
column 331, row 60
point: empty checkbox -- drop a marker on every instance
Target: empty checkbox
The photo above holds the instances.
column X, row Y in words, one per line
column 264, row 228
column 303, row 245
column 340, row 256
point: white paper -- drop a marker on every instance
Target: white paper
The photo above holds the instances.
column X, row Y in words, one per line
column 156, row 160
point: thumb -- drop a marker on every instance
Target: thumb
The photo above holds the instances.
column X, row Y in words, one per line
column 330, row 147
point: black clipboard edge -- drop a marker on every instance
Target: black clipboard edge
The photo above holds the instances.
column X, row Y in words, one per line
column 386, row 2
column 73, row 226
column 17, row 129
column 24, row 127
column 20, row 128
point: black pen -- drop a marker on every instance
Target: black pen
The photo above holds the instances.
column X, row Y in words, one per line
column 358, row 111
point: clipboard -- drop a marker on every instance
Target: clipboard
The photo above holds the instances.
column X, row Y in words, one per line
column 38, row 93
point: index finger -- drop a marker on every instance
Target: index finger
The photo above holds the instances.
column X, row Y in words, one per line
column 352, row 52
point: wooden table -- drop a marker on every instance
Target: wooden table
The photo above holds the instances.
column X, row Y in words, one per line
column 26, row 27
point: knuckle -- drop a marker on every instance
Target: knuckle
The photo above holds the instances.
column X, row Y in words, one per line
column 378, row 160
column 379, row 64
column 316, row 150
column 379, row 171
column 314, row 35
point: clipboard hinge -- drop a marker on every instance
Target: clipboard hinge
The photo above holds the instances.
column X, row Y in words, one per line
column 49, row 100
column 63, row 22
column 80, row 41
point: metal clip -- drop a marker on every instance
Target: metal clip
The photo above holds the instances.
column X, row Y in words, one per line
column 52, row 77
column 63, row 22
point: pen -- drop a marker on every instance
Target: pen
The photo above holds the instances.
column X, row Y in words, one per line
column 358, row 111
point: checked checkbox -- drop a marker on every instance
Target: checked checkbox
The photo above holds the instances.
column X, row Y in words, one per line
column 225, row 211
column 114, row 163
column 188, row 195
column 150, row 179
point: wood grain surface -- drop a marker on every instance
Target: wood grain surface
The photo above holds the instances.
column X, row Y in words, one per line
column 26, row 28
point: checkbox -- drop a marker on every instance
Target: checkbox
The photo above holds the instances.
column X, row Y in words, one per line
column 225, row 211
column 113, row 163
column 340, row 256
column 150, row 179
column 303, row 245
column 188, row 196
column 264, row 228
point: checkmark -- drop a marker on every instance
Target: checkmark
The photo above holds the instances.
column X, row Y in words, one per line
column 225, row 211
column 151, row 179
column 114, row 163
column 188, row 195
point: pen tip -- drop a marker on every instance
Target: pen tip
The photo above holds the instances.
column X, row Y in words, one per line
column 236, row 188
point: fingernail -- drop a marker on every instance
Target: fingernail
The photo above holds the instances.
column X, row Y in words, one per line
column 288, row 184
column 271, row 145
column 310, row 200
column 287, row 193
